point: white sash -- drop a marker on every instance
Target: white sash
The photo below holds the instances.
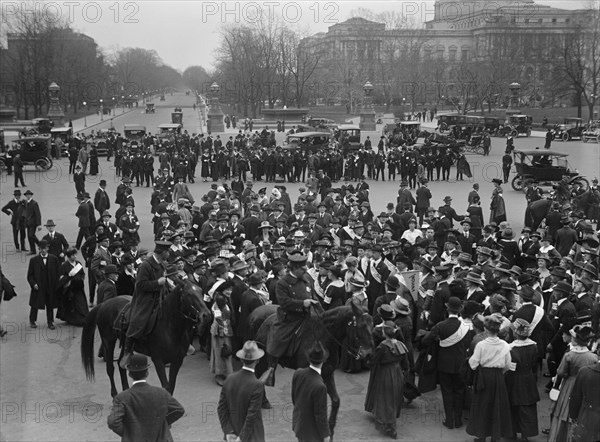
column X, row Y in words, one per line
column 376, row 275
column 318, row 289
column 338, row 283
column 457, row 336
column 537, row 317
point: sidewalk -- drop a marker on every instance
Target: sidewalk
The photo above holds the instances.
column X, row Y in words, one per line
column 95, row 119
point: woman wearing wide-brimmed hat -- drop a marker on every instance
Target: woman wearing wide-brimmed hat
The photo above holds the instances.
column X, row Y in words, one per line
column 579, row 356
column 497, row 207
column 509, row 247
column 521, row 381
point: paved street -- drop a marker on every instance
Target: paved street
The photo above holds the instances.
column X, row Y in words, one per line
column 45, row 395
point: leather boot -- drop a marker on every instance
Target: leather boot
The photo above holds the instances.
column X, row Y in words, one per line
column 268, row 377
column 129, row 342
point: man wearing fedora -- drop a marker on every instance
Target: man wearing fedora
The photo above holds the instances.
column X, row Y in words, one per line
column 241, row 399
column 453, row 336
column 32, row 217
column 107, row 289
column 149, row 285
column 83, row 214
column 57, row 242
column 43, row 275
column 143, row 412
column 15, row 208
column 309, row 396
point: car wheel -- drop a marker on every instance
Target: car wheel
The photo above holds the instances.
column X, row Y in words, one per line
column 43, row 164
column 514, row 133
column 584, row 183
column 566, row 137
column 517, row 183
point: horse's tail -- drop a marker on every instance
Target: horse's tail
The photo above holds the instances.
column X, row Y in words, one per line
column 87, row 343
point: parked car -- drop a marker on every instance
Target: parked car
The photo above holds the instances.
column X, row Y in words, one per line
column 350, row 134
column 591, row 132
column 310, row 142
column 571, row 128
column 34, row 151
column 544, row 166
column 150, row 108
column 517, row 125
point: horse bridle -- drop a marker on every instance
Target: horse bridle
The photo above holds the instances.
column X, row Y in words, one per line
column 197, row 315
column 347, row 348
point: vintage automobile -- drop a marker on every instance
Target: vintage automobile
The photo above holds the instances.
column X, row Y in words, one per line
column 177, row 118
column 168, row 130
column 448, row 121
column 544, row 166
column 65, row 134
column 134, row 133
column 177, row 109
column 150, row 108
column 348, row 135
column 591, row 132
column 34, row 151
column 517, row 125
column 162, row 97
column 44, row 125
column 492, row 125
column 310, row 142
column 571, row 128
column 323, row 124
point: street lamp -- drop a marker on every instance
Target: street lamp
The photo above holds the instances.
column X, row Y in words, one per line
column 85, row 114
column 593, row 97
column 123, row 103
column 114, row 106
column 101, row 110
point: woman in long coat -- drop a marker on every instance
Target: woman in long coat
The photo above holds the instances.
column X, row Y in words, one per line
column 585, row 404
column 521, row 381
column 221, row 332
column 93, row 161
column 497, row 207
column 490, row 409
column 576, row 358
column 386, row 382
column 72, row 306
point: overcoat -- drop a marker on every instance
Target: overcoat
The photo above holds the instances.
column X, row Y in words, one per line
column 46, row 277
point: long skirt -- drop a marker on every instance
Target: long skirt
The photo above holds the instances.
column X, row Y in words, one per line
column 220, row 365
column 73, row 306
column 525, row 419
column 385, row 393
column 559, row 426
column 490, row 409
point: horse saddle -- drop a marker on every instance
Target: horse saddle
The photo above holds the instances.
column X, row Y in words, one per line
column 122, row 320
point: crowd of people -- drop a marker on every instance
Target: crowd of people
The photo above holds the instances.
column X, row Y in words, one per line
column 489, row 307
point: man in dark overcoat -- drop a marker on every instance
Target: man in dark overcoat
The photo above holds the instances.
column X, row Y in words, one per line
column 239, row 408
column 149, row 285
column 32, row 218
column 309, row 396
column 14, row 208
column 43, row 275
column 143, row 412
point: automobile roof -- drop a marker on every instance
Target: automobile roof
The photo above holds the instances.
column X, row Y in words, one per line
column 309, row 134
column 542, row 152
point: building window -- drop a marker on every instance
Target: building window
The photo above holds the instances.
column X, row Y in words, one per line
column 440, row 52
column 526, row 20
column 540, row 20
column 553, row 20
column 452, row 54
column 464, row 54
column 567, row 20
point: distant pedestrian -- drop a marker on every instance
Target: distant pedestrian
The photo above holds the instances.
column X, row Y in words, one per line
column 143, row 412
column 549, row 138
column 18, row 170
column 309, row 396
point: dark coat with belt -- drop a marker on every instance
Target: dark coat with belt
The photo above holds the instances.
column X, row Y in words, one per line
column 309, row 396
column 240, row 405
column 144, row 413
column 46, row 277
column 146, row 298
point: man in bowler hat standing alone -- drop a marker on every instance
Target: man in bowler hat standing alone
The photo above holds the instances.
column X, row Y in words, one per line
column 309, row 396
column 143, row 412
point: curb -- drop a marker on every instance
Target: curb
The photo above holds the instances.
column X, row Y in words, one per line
column 104, row 121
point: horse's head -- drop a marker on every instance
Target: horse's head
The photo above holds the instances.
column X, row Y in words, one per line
column 193, row 307
column 364, row 331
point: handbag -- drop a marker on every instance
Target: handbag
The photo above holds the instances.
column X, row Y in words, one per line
column 555, row 391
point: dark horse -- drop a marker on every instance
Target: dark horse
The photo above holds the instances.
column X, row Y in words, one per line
column 332, row 329
column 180, row 312
column 536, row 212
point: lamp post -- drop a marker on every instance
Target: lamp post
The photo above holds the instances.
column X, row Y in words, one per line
column 215, row 114
column 594, row 97
column 114, row 106
column 367, row 112
column 122, row 103
column 101, row 110
column 85, row 114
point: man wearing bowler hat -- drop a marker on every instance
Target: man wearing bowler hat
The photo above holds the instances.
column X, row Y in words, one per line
column 15, row 208
column 241, row 399
column 149, row 284
column 143, row 412
column 43, row 275
column 33, row 220
column 101, row 199
column 309, row 396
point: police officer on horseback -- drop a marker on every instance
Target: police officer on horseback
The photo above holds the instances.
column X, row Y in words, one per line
column 295, row 300
column 149, row 285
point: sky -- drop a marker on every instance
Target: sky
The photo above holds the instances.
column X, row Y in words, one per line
column 186, row 33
